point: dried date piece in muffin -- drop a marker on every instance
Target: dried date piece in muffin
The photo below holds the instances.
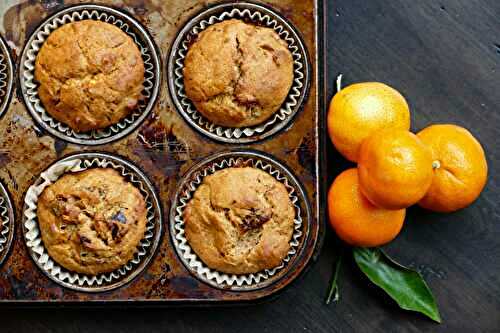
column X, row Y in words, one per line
column 90, row 75
column 240, row 221
column 238, row 74
column 92, row 221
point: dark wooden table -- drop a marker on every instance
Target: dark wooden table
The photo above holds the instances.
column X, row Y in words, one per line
column 444, row 56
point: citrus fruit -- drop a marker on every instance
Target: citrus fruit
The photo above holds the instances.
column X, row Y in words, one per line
column 395, row 168
column 356, row 220
column 359, row 110
column 460, row 168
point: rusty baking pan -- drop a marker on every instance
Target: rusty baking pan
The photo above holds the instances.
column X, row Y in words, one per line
column 164, row 148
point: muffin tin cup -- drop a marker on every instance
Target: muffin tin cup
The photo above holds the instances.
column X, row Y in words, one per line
column 6, row 223
column 104, row 281
column 152, row 75
column 259, row 15
column 6, row 77
column 186, row 189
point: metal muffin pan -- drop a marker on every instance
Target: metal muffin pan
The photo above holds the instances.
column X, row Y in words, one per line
column 228, row 159
column 152, row 74
column 164, row 147
column 259, row 15
column 146, row 248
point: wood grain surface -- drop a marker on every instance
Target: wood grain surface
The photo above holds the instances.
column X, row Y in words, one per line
column 444, row 56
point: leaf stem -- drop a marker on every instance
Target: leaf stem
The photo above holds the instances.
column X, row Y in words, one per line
column 334, row 288
column 339, row 82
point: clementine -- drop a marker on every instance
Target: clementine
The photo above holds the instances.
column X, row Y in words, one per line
column 460, row 168
column 357, row 221
column 359, row 110
column 395, row 168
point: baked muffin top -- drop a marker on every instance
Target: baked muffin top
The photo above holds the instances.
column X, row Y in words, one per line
column 238, row 74
column 90, row 75
column 240, row 221
column 91, row 221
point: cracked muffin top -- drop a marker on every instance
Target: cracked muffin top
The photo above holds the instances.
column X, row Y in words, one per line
column 240, row 221
column 90, row 75
column 238, row 74
column 92, row 221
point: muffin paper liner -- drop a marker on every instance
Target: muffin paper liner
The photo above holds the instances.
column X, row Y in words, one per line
column 194, row 179
column 6, row 223
column 149, row 55
column 259, row 15
column 6, row 77
column 103, row 281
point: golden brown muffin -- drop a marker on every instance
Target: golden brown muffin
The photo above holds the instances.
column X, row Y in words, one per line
column 90, row 74
column 91, row 221
column 240, row 221
column 238, row 74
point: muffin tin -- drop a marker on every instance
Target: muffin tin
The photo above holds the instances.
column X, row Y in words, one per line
column 165, row 149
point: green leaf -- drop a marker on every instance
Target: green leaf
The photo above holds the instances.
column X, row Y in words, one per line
column 404, row 285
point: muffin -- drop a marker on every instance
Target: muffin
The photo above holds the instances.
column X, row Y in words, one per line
column 240, row 221
column 238, row 74
column 92, row 221
column 90, row 75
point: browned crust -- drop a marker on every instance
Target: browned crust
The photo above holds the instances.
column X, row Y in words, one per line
column 90, row 73
column 240, row 221
column 238, row 74
column 92, row 221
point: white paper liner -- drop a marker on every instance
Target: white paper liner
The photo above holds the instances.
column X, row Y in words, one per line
column 214, row 277
column 33, row 237
column 5, row 228
column 151, row 79
column 6, row 77
column 289, row 107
